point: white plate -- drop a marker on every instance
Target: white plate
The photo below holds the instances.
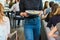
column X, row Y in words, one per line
column 32, row 12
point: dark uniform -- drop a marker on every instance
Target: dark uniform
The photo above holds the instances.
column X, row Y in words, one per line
column 32, row 23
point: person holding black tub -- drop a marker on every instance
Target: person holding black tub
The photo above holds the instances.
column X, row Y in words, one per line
column 32, row 23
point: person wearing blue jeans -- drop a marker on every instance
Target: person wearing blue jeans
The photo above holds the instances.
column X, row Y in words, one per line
column 32, row 28
column 32, row 24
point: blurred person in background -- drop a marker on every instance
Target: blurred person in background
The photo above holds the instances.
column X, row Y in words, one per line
column 32, row 24
column 48, row 11
column 15, row 1
column 51, row 24
column 52, row 20
column 51, row 4
column 15, row 8
column 7, row 1
column 46, row 7
column 55, row 21
column 4, row 24
column 11, row 3
column 7, row 4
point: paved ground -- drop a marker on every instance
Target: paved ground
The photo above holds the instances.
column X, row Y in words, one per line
column 20, row 32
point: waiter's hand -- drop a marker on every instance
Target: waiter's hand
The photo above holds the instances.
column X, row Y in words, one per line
column 24, row 14
column 41, row 12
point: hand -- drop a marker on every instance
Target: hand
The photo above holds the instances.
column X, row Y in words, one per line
column 41, row 12
column 24, row 14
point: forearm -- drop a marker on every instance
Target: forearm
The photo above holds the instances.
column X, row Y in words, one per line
column 51, row 33
column 44, row 16
column 55, row 35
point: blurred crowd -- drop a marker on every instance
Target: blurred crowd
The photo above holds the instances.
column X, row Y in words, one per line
column 50, row 18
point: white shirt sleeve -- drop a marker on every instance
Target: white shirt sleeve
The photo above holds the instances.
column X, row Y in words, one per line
column 12, row 8
column 8, row 26
column 8, row 31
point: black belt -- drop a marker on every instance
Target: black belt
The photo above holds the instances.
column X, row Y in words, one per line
column 30, row 17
